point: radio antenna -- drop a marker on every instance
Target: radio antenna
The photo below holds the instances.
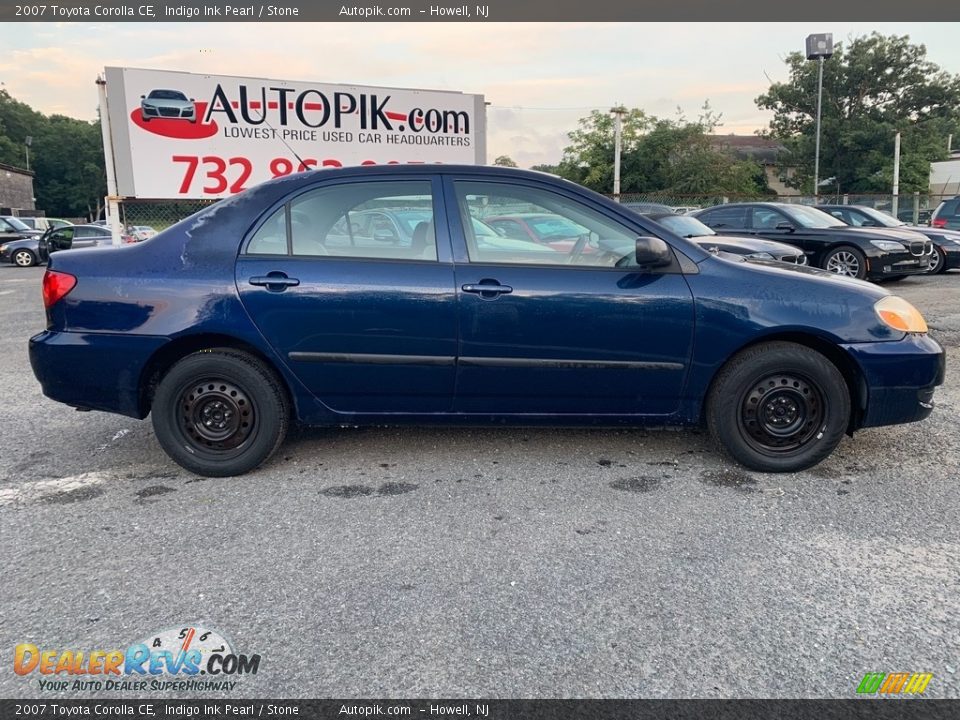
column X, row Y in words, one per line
column 280, row 137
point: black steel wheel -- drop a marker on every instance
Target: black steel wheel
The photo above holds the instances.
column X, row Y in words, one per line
column 778, row 407
column 220, row 412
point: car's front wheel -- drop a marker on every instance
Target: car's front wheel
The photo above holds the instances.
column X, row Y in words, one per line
column 24, row 258
column 937, row 262
column 847, row 261
column 220, row 412
column 778, row 407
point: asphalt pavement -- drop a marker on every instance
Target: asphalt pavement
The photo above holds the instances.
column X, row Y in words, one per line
column 386, row 562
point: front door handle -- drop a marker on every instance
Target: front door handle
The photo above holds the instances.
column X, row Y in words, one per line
column 488, row 289
column 274, row 281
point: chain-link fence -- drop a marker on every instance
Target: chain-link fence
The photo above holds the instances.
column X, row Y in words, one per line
column 914, row 208
column 139, row 218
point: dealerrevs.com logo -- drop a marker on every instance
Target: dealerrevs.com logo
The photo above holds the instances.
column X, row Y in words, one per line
column 889, row 684
column 187, row 659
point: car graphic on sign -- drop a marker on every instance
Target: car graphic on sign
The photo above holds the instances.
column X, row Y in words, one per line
column 168, row 104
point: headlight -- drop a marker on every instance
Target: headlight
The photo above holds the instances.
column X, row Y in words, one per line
column 897, row 313
column 888, row 245
column 3, row 248
column 761, row 256
column 149, row 107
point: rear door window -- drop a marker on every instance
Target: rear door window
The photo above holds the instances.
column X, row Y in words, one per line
column 724, row 218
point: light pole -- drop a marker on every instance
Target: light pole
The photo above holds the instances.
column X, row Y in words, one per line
column 618, row 113
column 28, row 141
column 819, row 48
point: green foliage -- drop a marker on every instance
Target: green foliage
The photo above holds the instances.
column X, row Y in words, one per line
column 657, row 155
column 871, row 89
column 505, row 161
column 66, row 156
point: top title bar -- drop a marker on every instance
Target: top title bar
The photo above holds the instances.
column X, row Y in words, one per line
column 489, row 11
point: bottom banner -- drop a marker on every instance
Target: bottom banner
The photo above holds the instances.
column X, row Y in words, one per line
column 485, row 709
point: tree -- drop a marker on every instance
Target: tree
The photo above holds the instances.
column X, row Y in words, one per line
column 505, row 161
column 872, row 88
column 66, row 157
column 674, row 156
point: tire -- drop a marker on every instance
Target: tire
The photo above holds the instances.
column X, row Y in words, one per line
column 24, row 258
column 846, row 260
column 938, row 262
column 778, row 407
column 220, row 412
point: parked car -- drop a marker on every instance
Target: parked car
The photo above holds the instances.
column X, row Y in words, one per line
column 946, row 216
column 540, row 228
column 139, row 233
column 13, row 228
column 18, row 243
column 35, row 223
column 753, row 248
column 905, row 215
column 167, row 104
column 648, row 207
column 946, row 243
column 225, row 336
column 73, row 237
column 865, row 253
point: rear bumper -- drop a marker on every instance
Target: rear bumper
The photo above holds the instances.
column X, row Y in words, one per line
column 900, row 378
column 91, row 370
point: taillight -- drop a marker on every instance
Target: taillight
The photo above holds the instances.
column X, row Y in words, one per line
column 939, row 222
column 55, row 286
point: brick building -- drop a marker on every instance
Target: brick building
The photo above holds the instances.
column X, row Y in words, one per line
column 16, row 190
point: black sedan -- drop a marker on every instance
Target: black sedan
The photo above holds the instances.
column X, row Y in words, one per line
column 30, row 251
column 946, row 243
column 871, row 253
column 750, row 247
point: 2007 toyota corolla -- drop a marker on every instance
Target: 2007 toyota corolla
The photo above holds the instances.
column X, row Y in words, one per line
column 288, row 303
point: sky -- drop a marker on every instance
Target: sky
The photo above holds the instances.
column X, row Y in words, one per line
column 539, row 78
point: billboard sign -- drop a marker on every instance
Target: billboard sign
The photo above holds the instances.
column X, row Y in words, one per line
column 184, row 135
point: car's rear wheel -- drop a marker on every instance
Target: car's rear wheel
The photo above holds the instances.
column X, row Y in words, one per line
column 24, row 258
column 778, row 407
column 220, row 412
column 847, row 261
column 937, row 262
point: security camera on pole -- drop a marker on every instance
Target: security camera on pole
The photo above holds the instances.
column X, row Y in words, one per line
column 819, row 48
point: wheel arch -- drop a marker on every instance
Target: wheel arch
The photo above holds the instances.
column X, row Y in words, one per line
column 172, row 352
column 846, row 365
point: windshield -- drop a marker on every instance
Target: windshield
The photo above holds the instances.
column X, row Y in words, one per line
column 167, row 95
column 17, row 223
column 881, row 218
column 809, row 217
column 685, row 226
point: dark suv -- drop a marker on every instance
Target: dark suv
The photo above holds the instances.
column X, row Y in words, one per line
column 947, row 214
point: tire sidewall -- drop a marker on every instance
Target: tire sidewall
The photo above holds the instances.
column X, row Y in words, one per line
column 941, row 263
column 267, row 412
column 729, row 394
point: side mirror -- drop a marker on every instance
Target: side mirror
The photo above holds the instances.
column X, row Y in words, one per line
column 653, row 253
column 192, row 100
column 785, row 226
column 385, row 235
column 143, row 97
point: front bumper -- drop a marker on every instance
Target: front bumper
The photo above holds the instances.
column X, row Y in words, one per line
column 98, row 371
column 899, row 377
column 890, row 264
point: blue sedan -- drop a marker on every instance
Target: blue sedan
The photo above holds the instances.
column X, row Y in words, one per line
column 278, row 306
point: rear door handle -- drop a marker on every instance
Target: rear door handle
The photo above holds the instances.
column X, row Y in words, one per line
column 488, row 289
column 274, row 281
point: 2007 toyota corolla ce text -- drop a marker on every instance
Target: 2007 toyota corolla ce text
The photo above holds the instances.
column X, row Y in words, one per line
column 287, row 303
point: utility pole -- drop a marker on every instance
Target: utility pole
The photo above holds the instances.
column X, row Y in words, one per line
column 896, row 173
column 27, row 142
column 618, row 113
column 819, row 48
